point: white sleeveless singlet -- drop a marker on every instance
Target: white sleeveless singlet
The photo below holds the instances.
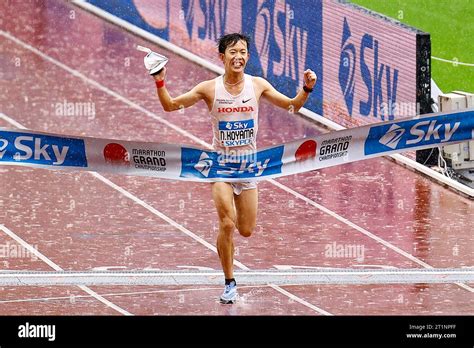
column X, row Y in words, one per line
column 235, row 118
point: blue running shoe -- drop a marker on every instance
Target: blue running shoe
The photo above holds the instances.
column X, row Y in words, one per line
column 229, row 295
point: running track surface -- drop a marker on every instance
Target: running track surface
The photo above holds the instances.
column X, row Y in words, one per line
column 79, row 221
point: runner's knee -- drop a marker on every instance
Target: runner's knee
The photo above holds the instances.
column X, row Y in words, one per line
column 245, row 231
column 227, row 225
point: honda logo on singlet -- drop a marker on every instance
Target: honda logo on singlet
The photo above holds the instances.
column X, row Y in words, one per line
column 236, row 109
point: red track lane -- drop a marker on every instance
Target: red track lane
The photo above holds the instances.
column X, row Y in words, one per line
column 81, row 223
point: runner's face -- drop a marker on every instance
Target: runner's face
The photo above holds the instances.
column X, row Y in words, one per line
column 235, row 57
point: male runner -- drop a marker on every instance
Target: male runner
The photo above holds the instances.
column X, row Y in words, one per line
column 232, row 97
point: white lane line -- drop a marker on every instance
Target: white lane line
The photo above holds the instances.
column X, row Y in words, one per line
column 298, row 299
column 11, row 121
column 54, row 266
column 465, row 287
column 453, row 62
column 169, row 220
column 257, row 277
column 131, row 293
column 203, row 143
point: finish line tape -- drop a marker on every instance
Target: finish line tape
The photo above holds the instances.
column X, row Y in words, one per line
column 180, row 162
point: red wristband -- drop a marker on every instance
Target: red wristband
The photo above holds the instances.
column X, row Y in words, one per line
column 160, row 83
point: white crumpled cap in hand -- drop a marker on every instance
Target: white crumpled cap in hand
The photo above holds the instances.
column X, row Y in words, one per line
column 154, row 62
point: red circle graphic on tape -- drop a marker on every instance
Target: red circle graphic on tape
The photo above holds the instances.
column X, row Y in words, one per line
column 306, row 150
column 116, row 154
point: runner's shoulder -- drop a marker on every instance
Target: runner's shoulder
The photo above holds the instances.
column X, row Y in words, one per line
column 260, row 81
column 205, row 86
column 260, row 84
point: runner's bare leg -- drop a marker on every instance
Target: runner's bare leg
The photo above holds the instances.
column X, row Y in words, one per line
column 246, row 205
column 223, row 196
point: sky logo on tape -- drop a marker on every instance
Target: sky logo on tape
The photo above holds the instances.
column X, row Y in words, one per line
column 204, row 164
column 42, row 149
column 392, row 137
column 415, row 133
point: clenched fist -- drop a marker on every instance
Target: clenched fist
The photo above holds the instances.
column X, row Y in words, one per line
column 309, row 78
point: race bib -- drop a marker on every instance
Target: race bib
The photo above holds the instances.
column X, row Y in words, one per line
column 236, row 133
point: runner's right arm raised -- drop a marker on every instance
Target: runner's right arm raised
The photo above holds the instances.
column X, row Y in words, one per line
column 184, row 100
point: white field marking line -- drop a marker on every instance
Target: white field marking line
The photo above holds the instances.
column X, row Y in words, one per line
column 465, row 287
column 257, row 277
column 12, row 121
column 398, row 273
column 189, row 135
column 57, row 268
column 132, row 293
column 295, row 298
column 110, row 294
column 175, row 224
column 454, row 62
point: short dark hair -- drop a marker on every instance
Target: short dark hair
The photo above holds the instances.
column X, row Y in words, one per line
column 231, row 39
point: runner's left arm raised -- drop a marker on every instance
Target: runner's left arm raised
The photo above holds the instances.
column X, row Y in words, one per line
column 292, row 104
